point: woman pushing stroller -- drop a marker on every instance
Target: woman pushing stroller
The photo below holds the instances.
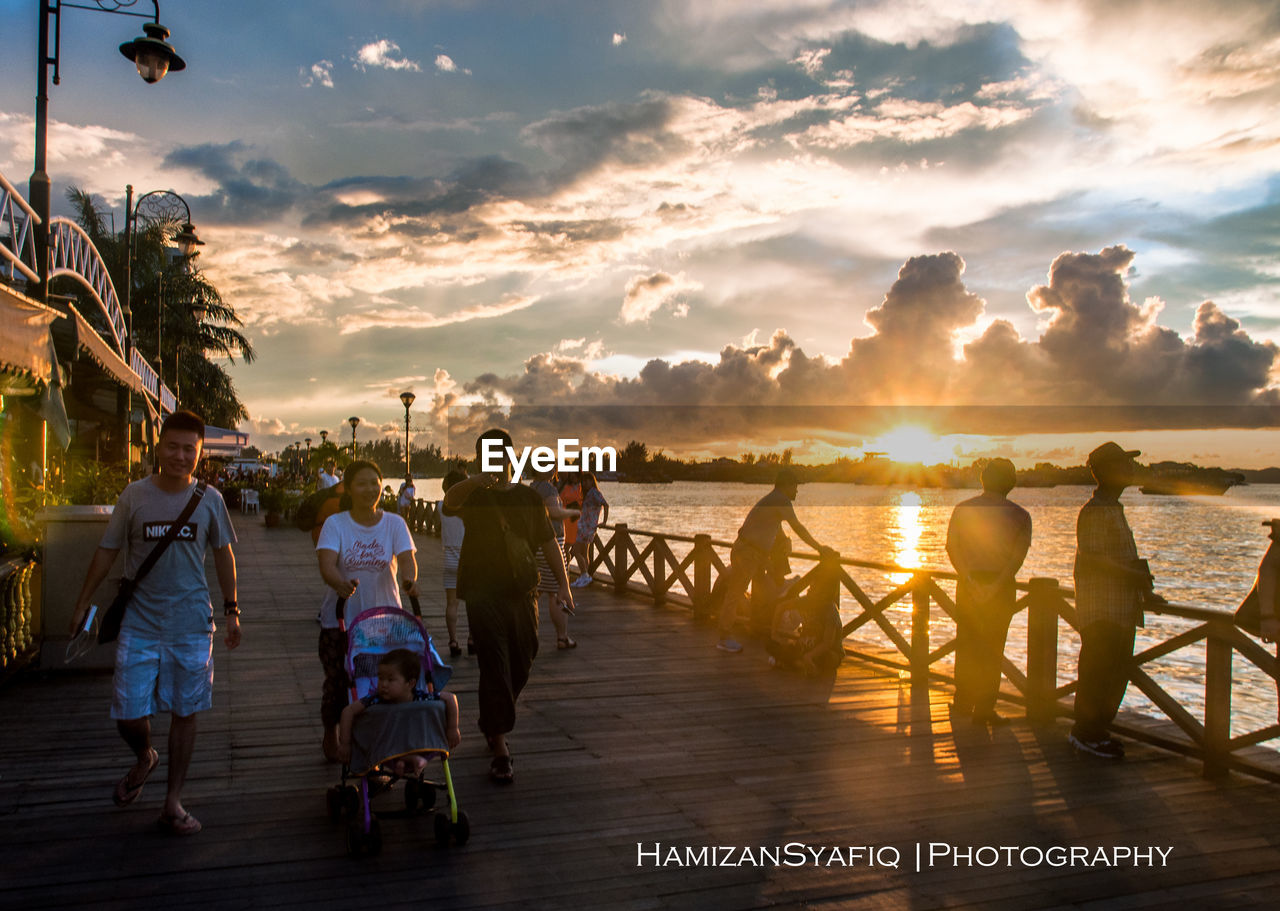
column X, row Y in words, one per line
column 361, row 552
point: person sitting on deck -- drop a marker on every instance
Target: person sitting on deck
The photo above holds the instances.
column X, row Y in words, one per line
column 398, row 673
column 807, row 632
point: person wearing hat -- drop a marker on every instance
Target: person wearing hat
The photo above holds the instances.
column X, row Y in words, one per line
column 1111, row 583
column 987, row 540
column 750, row 554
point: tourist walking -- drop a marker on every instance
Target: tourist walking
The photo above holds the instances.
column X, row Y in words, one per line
column 1111, row 582
column 987, row 540
column 365, row 556
column 164, row 654
column 328, row 475
column 751, row 549
column 544, row 486
column 593, row 506
column 452, row 532
column 497, row 577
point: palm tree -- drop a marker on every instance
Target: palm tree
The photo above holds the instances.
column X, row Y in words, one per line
column 180, row 321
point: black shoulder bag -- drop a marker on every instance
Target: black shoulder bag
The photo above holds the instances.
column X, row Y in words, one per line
column 524, row 565
column 114, row 616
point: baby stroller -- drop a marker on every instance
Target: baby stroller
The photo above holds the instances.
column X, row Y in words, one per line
column 390, row 732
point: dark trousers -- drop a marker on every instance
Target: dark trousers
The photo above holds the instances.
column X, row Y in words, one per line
column 505, row 633
column 981, row 631
column 334, row 694
column 1106, row 652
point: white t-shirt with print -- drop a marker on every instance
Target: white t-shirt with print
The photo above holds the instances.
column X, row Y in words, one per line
column 368, row 555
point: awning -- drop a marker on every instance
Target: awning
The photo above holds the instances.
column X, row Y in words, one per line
column 24, row 339
column 91, row 343
column 28, row 360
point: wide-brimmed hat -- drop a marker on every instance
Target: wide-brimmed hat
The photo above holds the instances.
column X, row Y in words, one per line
column 1111, row 452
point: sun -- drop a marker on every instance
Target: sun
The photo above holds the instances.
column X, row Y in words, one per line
column 910, row 443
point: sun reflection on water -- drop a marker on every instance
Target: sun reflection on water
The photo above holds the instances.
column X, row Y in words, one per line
column 905, row 536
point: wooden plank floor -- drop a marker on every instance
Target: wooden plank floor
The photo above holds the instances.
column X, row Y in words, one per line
column 643, row 736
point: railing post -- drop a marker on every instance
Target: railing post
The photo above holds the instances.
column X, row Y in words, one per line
column 621, row 546
column 1217, row 703
column 1042, row 650
column 919, row 629
column 701, row 576
column 659, row 570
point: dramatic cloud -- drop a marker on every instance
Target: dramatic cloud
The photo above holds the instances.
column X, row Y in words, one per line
column 1101, row 362
column 384, row 54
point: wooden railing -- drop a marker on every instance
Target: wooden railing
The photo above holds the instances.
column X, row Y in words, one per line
column 17, row 629
column 645, row 562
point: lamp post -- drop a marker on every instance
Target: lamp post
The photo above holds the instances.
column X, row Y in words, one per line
column 354, row 422
column 160, row 206
column 307, row 467
column 324, row 437
column 407, row 398
column 152, row 55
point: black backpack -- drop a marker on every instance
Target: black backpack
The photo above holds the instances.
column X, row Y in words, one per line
column 305, row 518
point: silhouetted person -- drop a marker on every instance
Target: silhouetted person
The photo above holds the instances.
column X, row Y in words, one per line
column 987, row 540
column 1111, row 583
column 750, row 552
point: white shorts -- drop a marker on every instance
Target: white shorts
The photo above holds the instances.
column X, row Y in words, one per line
column 153, row 676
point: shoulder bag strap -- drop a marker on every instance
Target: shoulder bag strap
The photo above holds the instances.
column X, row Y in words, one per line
column 169, row 536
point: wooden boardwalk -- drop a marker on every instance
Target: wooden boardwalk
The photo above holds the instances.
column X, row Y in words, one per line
column 643, row 736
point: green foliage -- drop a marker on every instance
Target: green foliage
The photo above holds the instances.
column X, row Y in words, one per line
column 96, row 483
column 273, row 500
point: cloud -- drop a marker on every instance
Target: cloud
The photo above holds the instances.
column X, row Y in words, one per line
column 412, row 318
column 445, row 64
column 646, row 294
column 619, row 38
column 1102, row 362
column 384, row 54
column 320, row 73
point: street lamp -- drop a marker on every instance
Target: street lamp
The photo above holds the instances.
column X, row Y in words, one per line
column 407, row 398
column 153, row 56
column 354, row 422
column 160, row 206
column 324, row 437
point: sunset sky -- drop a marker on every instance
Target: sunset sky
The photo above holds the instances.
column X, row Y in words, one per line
column 775, row 204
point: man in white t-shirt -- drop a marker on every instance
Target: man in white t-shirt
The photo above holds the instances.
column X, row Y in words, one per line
column 164, row 655
column 327, row 477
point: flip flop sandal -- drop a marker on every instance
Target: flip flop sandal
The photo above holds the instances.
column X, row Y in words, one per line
column 502, row 770
column 186, row 824
column 126, row 793
column 565, row 642
column 454, row 648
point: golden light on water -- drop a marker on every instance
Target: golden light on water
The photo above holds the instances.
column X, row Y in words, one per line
column 906, row 534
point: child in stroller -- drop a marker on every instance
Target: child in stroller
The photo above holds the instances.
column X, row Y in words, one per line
column 398, row 673
column 398, row 718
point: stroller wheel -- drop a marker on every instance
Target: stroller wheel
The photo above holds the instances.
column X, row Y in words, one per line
column 461, row 829
column 443, row 826
column 412, row 794
column 355, row 839
column 373, row 841
column 333, row 799
column 350, row 800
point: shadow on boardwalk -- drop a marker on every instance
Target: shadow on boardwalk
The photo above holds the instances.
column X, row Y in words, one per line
column 644, row 736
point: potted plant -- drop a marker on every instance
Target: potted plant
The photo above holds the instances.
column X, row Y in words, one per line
column 272, row 501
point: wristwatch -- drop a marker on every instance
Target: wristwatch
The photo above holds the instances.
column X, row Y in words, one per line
column 229, row 609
